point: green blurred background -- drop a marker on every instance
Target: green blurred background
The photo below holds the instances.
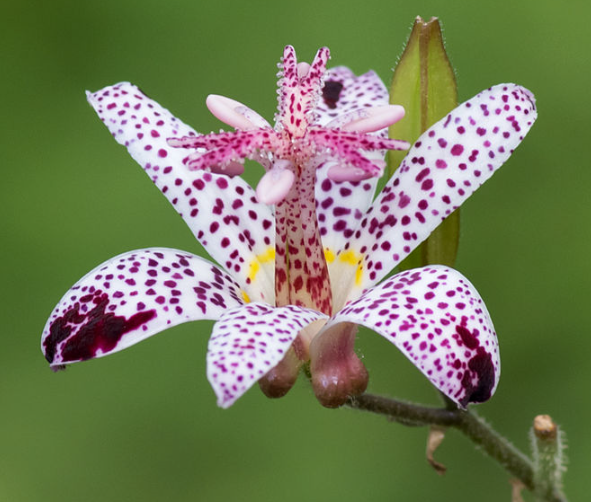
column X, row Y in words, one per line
column 142, row 425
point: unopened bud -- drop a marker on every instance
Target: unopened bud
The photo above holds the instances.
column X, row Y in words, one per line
column 424, row 84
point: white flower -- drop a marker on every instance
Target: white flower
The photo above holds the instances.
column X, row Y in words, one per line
column 294, row 280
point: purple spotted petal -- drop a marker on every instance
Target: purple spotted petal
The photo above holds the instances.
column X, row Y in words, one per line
column 438, row 320
column 132, row 297
column 247, row 342
column 340, row 206
column 344, row 92
column 444, row 167
column 222, row 212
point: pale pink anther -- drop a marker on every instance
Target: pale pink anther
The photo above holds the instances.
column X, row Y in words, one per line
column 375, row 119
column 341, row 173
column 234, row 113
column 231, row 168
column 276, row 183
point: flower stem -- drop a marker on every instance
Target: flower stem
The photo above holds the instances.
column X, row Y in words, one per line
column 475, row 428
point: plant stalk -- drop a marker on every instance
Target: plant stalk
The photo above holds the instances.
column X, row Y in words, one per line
column 472, row 426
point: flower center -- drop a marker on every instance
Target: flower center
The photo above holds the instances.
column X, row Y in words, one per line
column 301, row 273
column 291, row 153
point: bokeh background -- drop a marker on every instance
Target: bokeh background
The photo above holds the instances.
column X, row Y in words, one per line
column 142, row 425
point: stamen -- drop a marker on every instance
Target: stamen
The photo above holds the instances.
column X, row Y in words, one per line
column 234, row 113
column 370, row 119
column 275, row 184
column 340, row 173
column 232, row 168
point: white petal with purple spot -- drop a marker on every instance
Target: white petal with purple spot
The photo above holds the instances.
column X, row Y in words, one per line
column 249, row 341
column 340, row 205
column 339, row 208
column 436, row 317
column 132, row 297
column 344, row 92
column 222, row 212
column 443, row 168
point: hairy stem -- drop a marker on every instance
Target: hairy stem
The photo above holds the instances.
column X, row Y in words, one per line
column 476, row 429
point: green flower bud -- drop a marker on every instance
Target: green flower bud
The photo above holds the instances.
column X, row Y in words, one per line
column 424, row 83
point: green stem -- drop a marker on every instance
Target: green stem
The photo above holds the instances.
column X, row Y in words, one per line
column 476, row 429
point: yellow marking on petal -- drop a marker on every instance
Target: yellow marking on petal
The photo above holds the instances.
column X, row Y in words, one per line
column 268, row 255
column 253, row 269
column 358, row 275
column 329, row 255
column 245, row 297
column 352, row 258
column 255, row 264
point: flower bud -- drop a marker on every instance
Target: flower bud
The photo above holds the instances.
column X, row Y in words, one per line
column 424, row 83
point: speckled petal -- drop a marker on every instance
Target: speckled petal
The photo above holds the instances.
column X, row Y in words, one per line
column 132, row 297
column 222, row 212
column 344, row 93
column 247, row 342
column 438, row 320
column 340, row 206
column 444, row 167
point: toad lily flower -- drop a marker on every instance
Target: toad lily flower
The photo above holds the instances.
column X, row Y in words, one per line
column 297, row 277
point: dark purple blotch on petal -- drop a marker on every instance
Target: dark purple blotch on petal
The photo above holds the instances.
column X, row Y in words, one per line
column 331, row 93
column 481, row 364
column 467, row 337
column 99, row 331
